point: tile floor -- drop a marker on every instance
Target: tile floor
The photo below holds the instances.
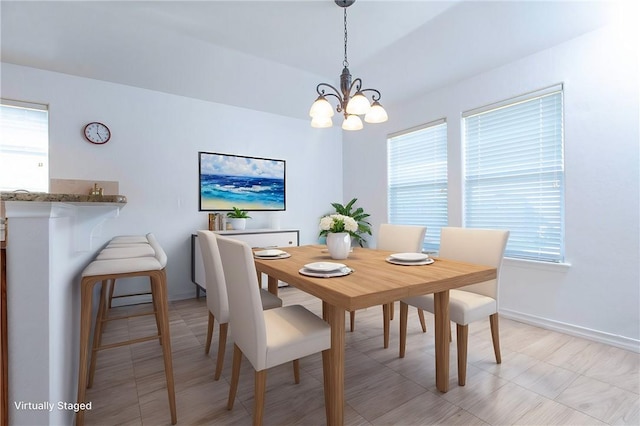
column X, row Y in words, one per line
column 546, row 378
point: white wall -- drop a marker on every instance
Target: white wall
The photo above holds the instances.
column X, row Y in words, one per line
column 598, row 295
column 153, row 154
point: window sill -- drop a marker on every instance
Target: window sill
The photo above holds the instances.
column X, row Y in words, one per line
column 535, row 264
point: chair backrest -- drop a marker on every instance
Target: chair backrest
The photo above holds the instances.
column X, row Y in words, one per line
column 217, row 300
column 161, row 256
column 245, row 306
column 481, row 246
column 401, row 238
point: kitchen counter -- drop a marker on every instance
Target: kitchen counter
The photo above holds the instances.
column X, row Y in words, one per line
column 49, row 241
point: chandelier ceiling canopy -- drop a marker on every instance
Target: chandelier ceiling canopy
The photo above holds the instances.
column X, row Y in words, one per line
column 352, row 106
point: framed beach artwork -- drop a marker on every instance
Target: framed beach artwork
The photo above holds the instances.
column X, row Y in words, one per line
column 248, row 183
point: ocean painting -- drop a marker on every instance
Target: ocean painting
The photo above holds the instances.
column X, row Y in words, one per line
column 249, row 183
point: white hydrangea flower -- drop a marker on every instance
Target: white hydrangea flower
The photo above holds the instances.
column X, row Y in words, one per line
column 338, row 223
column 326, row 223
column 350, row 224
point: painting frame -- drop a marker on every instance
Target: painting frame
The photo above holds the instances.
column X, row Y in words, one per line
column 249, row 183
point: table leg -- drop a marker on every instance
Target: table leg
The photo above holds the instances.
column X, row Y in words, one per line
column 441, row 317
column 272, row 285
column 334, row 377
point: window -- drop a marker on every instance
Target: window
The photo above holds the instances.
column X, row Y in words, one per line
column 417, row 179
column 24, row 146
column 514, row 173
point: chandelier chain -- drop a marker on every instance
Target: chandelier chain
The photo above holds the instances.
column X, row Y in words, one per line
column 345, row 63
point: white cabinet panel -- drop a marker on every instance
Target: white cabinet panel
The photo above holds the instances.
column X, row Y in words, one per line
column 264, row 239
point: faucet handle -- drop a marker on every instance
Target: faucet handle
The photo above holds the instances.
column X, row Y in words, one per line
column 95, row 190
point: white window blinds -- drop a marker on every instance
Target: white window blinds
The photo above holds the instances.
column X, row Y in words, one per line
column 417, row 179
column 24, row 146
column 514, row 173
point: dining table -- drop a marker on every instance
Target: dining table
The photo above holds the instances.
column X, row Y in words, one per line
column 373, row 280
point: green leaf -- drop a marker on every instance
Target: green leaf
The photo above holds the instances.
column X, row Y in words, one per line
column 238, row 214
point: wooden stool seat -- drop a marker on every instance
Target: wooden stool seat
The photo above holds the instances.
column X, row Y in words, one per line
column 129, row 239
column 124, row 252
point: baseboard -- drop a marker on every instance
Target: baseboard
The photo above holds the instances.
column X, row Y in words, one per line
column 185, row 295
column 573, row 330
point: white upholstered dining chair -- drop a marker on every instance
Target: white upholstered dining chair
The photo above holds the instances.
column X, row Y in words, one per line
column 217, row 300
column 267, row 338
column 470, row 303
column 402, row 239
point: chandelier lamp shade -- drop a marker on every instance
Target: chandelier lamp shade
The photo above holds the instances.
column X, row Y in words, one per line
column 352, row 101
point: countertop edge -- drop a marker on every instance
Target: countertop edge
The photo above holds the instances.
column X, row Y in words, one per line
column 76, row 199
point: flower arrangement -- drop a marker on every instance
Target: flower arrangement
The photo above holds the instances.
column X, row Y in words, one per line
column 337, row 223
column 358, row 215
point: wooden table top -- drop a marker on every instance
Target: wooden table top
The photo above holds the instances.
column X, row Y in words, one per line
column 374, row 280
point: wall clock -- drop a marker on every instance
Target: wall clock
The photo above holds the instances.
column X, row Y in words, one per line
column 97, row 133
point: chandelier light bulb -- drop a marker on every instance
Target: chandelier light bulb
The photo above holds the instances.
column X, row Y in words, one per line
column 321, row 108
column 352, row 122
column 358, row 104
column 376, row 114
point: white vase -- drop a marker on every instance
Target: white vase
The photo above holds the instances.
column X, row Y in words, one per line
column 339, row 244
column 238, row 223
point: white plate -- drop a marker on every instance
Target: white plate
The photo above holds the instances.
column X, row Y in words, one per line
column 335, row 273
column 284, row 255
column 409, row 257
column 270, row 253
column 323, row 266
column 409, row 263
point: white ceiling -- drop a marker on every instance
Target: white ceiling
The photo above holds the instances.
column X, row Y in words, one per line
column 203, row 49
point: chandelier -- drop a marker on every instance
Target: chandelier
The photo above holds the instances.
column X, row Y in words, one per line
column 351, row 106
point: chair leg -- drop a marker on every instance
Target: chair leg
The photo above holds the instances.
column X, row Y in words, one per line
column 159, row 291
column 222, row 343
column 97, row 332
column 156, row 309
column 392, row 311
column 495, row 336
column 296, row 371
column 423, row 323
column 111, row 290
column 386, row 319
column 352, row 319
column 235, row 376
column 462, row 334
column 404, row 313
column 258, row 399
column 86, row 298
column 210, row 324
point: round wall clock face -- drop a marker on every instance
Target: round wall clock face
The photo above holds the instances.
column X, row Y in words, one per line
column 97, row 133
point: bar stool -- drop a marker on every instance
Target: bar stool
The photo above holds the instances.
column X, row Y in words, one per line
column 101, row 271
column 124, row 246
